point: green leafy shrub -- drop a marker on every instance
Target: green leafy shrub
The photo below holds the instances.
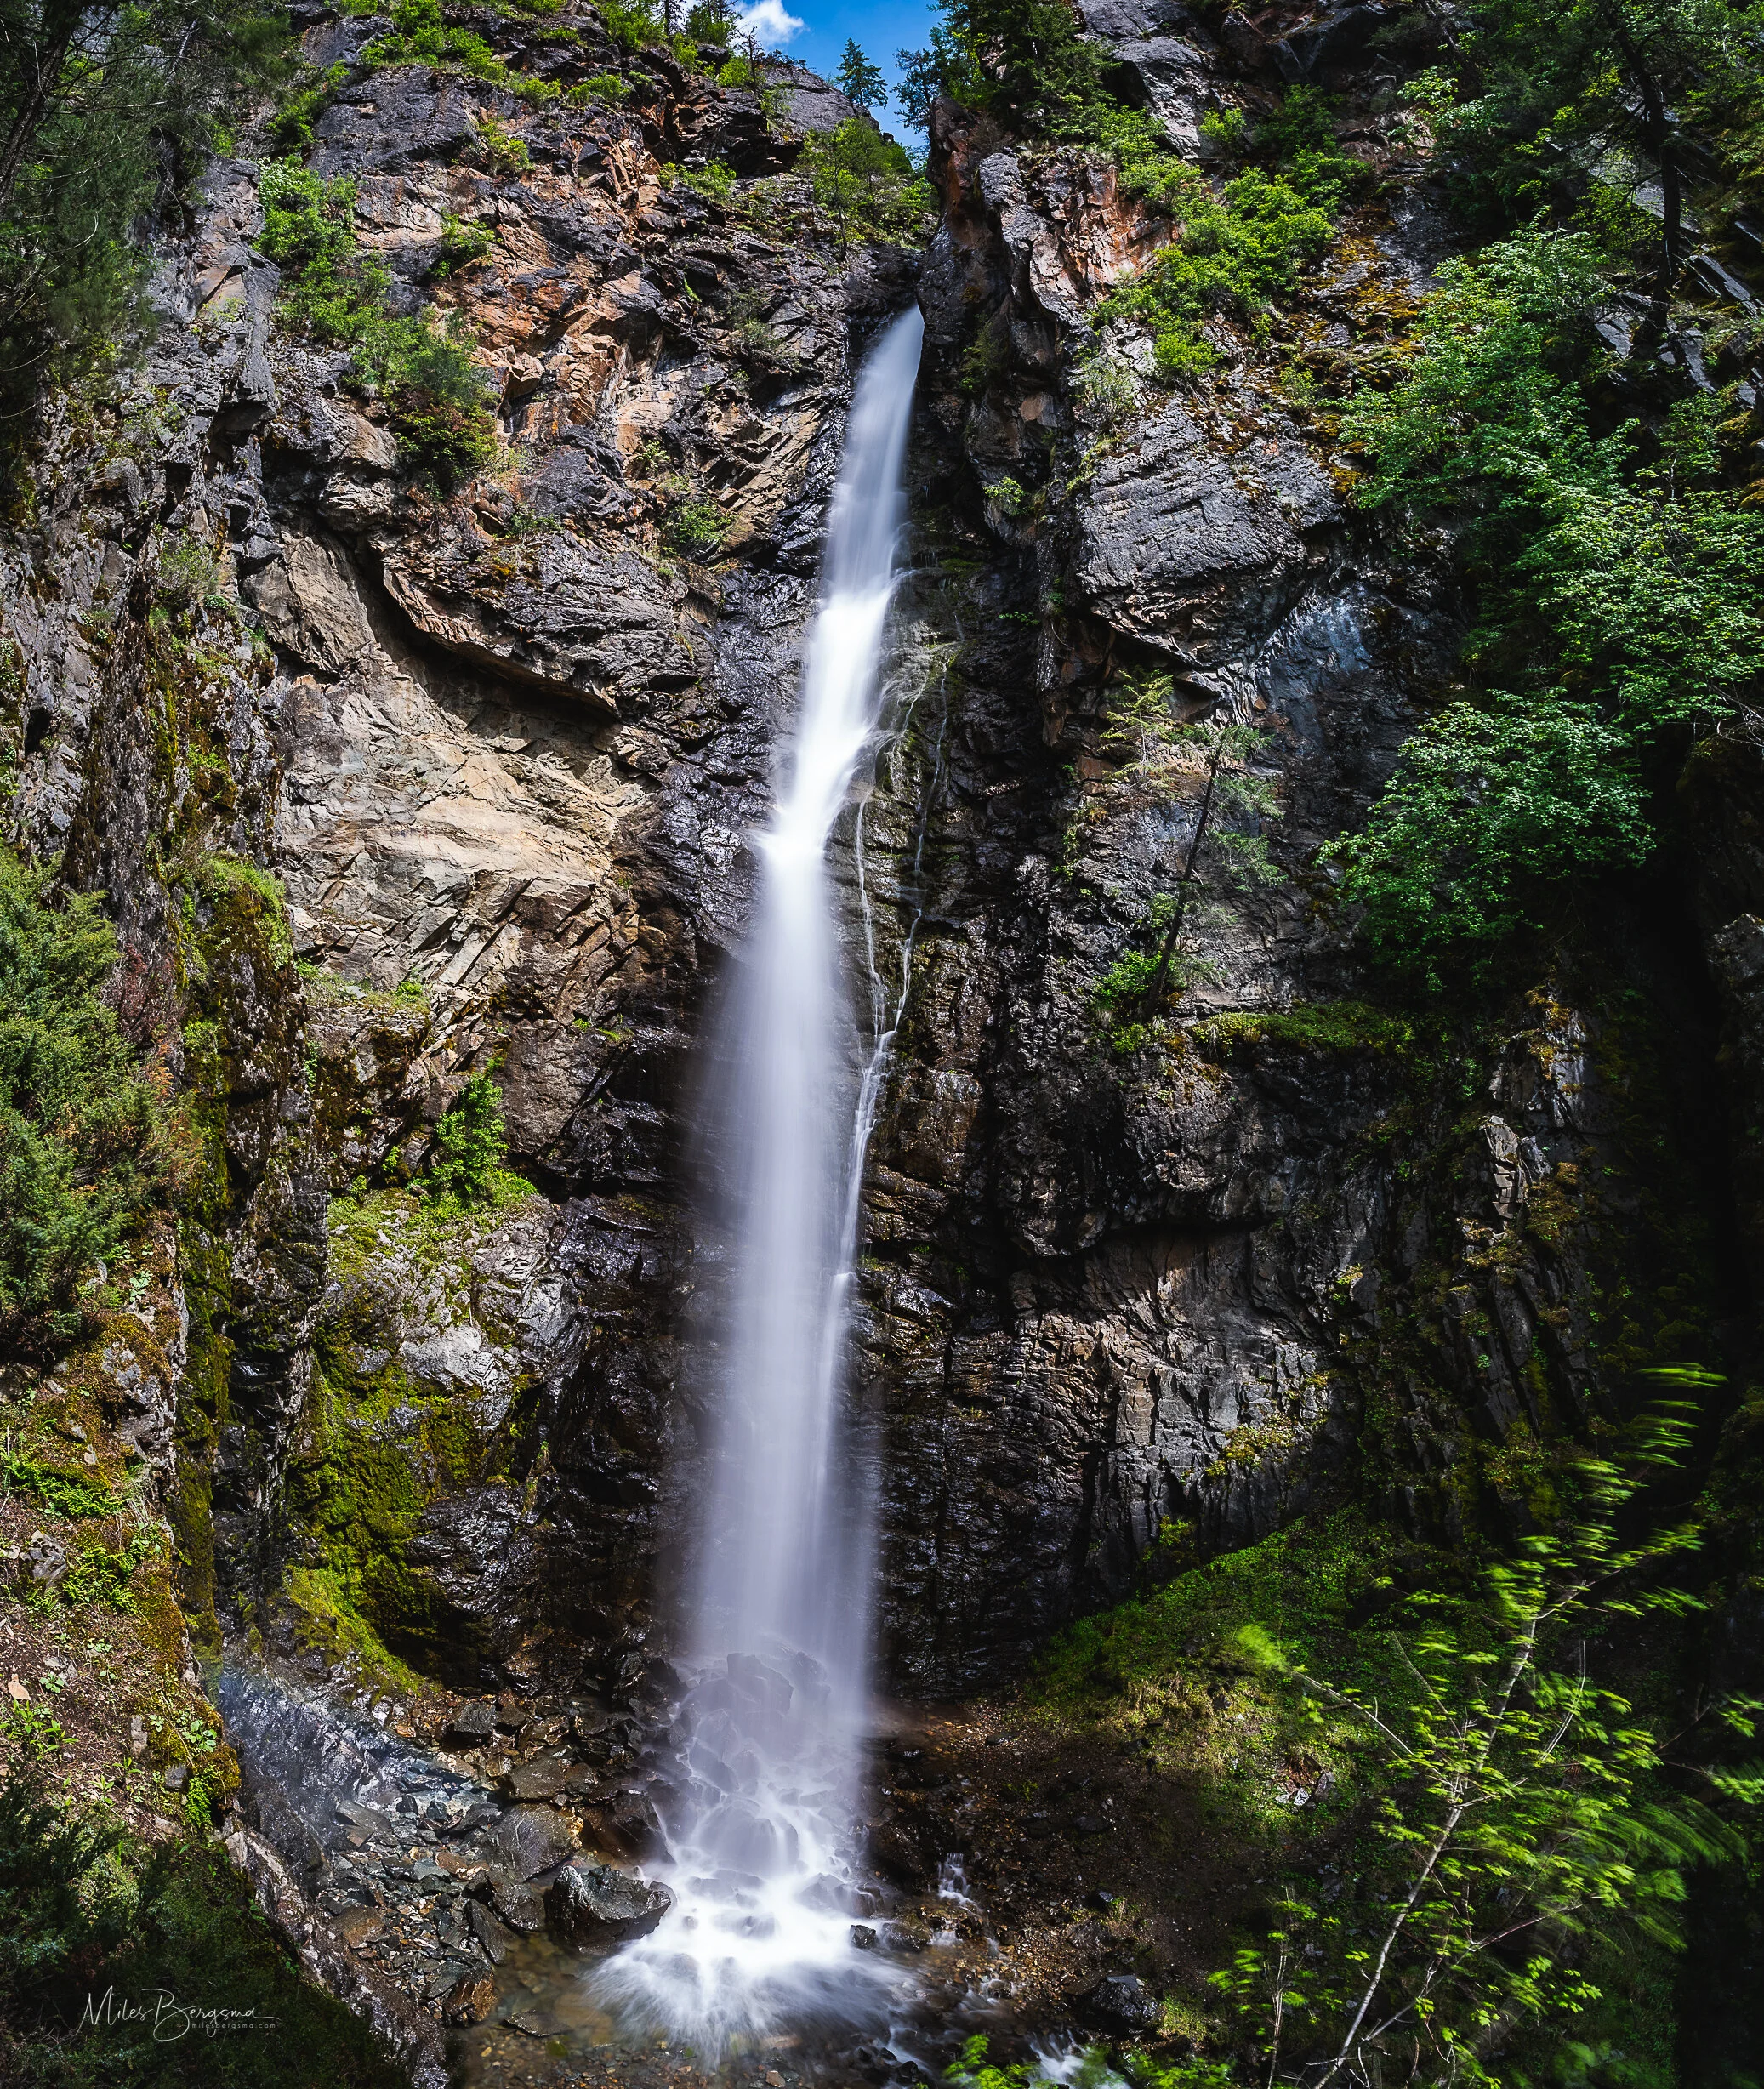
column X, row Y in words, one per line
column 86, row 1911
column 291, row 127
column 1314, row 1027
column 1105, row 388
column 1025, row 59
column 1525, row 1826
column 67, row 1494
column 502, row 153
column 465, row 1164
column 1299, row 141
column 434, row 390
column 713, row 181
column 35, row 1731
column 103, row 1574
column 421, row 34
column 81, row 1132
column 695, row 528
column 867, row 184
column 1621, row 599
column 1236, row 252
column 973, row 2070
column 1227, row 129
column 463, row 242
column 1496, row 798
column 631, row 28
column 598, row 87
column 987, row 360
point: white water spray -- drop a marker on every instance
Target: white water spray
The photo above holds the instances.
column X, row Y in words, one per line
column 760, row 1830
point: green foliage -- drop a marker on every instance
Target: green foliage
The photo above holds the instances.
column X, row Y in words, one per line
column 1538, row 82
column 598, row 87
column 421, row 34
column 81, row 1149
column 631, row 28
column 1227, row 853
column 1105, row 388
column 715, row 181
column 866, row 185
column 988, row 357
column 291, row 127
column 86, row 1910
column 1496, row 799
column 1299, row 141
column 745, row 312
column 1025, row 59
column 975, row 2071
column 1237, row 252
column 1313, row 1027
column 34, row 1731
column 1622, row 596
column 102, row 1574
column 860, row 80
column 502, row 153
column 695, row 528
column 67, row 1493
column 1227, row 129
column 709, row 22
column 433, row 391
column 463, row 242
column 470, row 1146
column 100, row 106
column 941, row 67
column 1522, row 1808
column 1121, row 997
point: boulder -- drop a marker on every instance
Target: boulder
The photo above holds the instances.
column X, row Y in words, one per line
column 489, row 1934
column 519, row 1904
column 1119, row 2003
column 472, row 1725
column 529, row 1840
column 593, row 1904
column 543, row 1779
column 470, row 1999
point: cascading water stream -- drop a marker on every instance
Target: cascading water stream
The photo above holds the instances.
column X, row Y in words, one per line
column 760, row 1822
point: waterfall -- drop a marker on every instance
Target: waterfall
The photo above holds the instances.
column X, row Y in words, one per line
column 760, row 1818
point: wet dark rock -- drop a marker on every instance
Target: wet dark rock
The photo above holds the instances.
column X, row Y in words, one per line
column 898, row 1849
column 473, row 1724
column 1119, row 2003
column 360, row 1926
column 753, row 1678
column 529, row 1840
column 543, row 1779
column 470, row 1999
column 532, row 2021
column 626, row 1824
column 593, row 1904
column 521, row 1906
column 490, row 1934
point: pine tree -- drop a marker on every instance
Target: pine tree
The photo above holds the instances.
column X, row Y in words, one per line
column 859, row 80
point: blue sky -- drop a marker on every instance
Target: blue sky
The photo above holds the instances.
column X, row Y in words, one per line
column 881, row 28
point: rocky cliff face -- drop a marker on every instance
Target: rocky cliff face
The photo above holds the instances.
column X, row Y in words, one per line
column 390, row 786
column 1123, row 1303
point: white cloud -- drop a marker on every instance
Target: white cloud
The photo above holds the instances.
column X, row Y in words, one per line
column 770, row 21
